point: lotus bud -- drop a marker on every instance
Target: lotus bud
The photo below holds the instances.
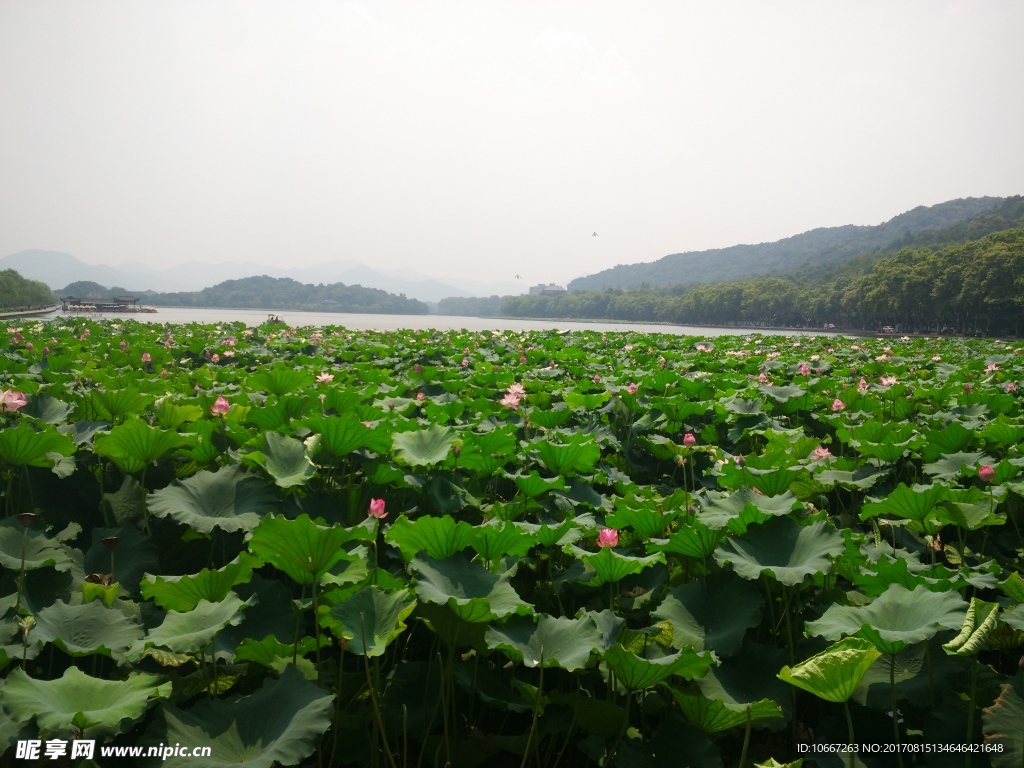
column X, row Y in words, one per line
column 689, row 440
column 377, row 509
column 987, row 473
column 608, row 537
column 111, row 542
column 28, row 519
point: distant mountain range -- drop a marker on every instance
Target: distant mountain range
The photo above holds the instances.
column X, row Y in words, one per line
column 815, row 251
column 58, row 270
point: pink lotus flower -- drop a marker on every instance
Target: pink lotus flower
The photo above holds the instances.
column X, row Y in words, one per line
column 522, row 359
column 377, row 509
column 215, row 358
column 608, row 537
column 1011, row 387
column 146, row 358
column 821, row 452
column 597, row 378
column 991, row 368
column 511, row 401
column 465, row 362
column 986, row 473
column 324, row 377
column 862, row 386
column 936, row 359
column 632, row 388
column 417, row 368
column 420, row 396
column 11, row 401
column 887, row 381
column 689, row 440
column 46, row 351
column 29, row 346
column 838, row 405
column 163, row 374
column 968, row 387
column 516, row 389
column 738, row 458
column 124, row 344
column 762, row 378
column 220, row 406
column 805, row 369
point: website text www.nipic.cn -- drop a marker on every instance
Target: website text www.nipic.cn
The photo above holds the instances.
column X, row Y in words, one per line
column 38, row 749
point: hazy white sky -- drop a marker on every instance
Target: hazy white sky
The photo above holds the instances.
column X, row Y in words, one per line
column 490, row 138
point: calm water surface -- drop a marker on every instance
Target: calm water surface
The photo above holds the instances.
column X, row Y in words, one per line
column 370, row 322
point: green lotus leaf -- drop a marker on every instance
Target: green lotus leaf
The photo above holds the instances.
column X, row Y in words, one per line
column 34, row 548
column 81, row 630
column 782, row 394
column 914, row 503
column 230, row 499
column 607, row 565
column 485, row 454
column 424, row 447
column 135, row 555
column 951, row 439
column 47, row 408
column 25, row 445
column 121, row 402
column 771, row 762
column 284, row 458
column 898, row 618
column 980, row 620
column 782, row 549
column 1003, row 726
column 1013, row 618
column 1002, row 431
column 712, row 613
column 172, row 416
column 750, row 677
column 282, row 723
column 835, row 673
column 554, row 534
column 636, row 672
column 133, row 445
column 693, row 539
column 1013, row 587
column 644, row 517
column 301, row 548
column 370, row 619
column 472, row 592
column 183, row 593
column 713, row 716
column 551, row 642
column 723, row 511
column 577, row 457
column 76, row 703
column 495, row 539
column 271, row 653
column 128, row 503
column 969, row 509
column 277, row 417
column 439, row 537
column 533, row 485
column 338, row 436
column 950, row 466
column 453, row 631
column 588, row 401
column 280, row 380
column 192, row 631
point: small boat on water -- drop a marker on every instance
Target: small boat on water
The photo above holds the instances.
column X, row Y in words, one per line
column 119, row 304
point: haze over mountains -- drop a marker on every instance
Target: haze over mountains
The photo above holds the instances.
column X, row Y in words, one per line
column 58, row 269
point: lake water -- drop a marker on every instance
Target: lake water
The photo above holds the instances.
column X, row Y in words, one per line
column 371, row 322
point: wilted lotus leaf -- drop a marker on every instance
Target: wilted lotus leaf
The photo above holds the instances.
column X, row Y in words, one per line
column 81, row 630
column 183, row 593
column 835, row 673
column 896, row 619
column 712, row 613
column 472, row 592
column 370, row 619
column 980, row 620
column 551, row 641
column 301, row 548
column 636, row 672
column 785, row 550
column 280, row 724
column 76, row 703
column 1003, row 726
column 230, row 499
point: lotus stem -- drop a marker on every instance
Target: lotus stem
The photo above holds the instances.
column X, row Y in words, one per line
column 849, row 732
column 536, row 712
column 895, row 714
column 970, row 708
column 746, row 740
column 316, row 632
column 373, row 697
column 622, row 732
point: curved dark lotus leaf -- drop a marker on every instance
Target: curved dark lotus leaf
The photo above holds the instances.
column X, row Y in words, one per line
column 835, row 673
column 424, row 447
column 896, row 619
column 47, row 408
column 749, row 677
column 26, row 446
column 712, row 613
column 78, row 703
column 714, row 716
column 727, row 511
column 472, row 592
column 230, row 499
column 192, row 631
column 785, row 550
column 608, row 565
column 1003, row 725
column 38, row 550
column 133, row 445
column 136, row 554
column 370, row 619
column 636, row 672
column 284, row 458
column 81, row 630
column 980, row 620
column 183, row 593
column 280, row 724
column 950, row 466
column 551, row 641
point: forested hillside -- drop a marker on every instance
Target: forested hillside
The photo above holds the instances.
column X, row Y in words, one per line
column 818, row 249
column 18, row 293
column 972, row 287
column 284, row 293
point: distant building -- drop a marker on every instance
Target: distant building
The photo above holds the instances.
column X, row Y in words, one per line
column 548, row 290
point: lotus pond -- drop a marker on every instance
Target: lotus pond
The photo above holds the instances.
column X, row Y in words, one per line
column 322, row 547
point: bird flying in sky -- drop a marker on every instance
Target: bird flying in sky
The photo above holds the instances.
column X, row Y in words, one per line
column 594, row 235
